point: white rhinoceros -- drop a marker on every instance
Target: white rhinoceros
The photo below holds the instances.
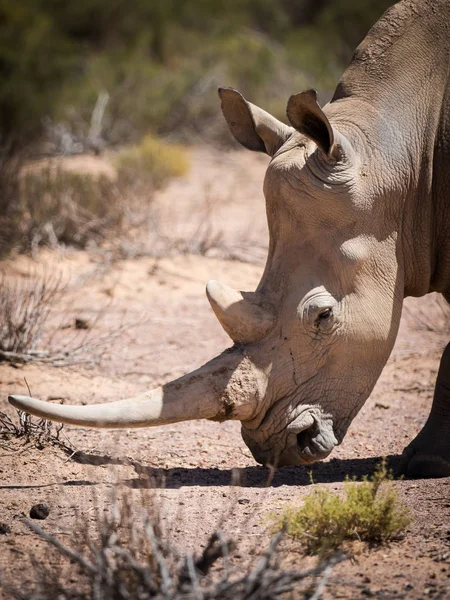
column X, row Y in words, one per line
column 358, row 206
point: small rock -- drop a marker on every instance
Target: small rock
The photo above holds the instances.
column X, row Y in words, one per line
column 39, row 511
column 4, row 529
column 244, row 501
column 82, row 324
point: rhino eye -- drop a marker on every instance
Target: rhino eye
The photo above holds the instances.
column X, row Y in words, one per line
column 325, row 314
column 324, row 317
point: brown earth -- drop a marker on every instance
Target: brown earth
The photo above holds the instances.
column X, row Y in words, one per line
column 202, row 470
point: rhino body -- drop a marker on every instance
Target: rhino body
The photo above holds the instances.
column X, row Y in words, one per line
column 358, row 207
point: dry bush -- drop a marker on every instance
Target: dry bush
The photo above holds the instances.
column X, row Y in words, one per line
column 25, row 308
column 201, row 238
column 369, row 511
column 31, row 430
column 10, row 165
column 30, row 331
column 52, row 205
column 151, row 163
column 130, row 556
column 59, row 206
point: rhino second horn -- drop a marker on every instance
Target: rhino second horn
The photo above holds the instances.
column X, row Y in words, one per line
column 243, row 318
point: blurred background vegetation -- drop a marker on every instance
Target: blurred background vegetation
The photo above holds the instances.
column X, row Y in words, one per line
column 154, row 65
column 132, row 80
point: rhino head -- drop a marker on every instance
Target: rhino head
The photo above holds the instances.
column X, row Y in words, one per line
column 311, row 341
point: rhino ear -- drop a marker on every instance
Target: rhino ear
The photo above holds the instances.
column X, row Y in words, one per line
column 305, row 114
column 252, row 126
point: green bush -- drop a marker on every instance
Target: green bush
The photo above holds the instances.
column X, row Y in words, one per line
column 35, row 58
column 157, row 59
column 369, row 511
column 152, row 162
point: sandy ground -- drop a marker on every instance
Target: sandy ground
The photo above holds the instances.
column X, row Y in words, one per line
column 202, row 470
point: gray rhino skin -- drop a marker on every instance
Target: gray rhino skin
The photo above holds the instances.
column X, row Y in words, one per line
column 358, row 209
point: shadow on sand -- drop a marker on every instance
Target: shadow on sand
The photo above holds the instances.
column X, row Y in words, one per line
column 332, row 471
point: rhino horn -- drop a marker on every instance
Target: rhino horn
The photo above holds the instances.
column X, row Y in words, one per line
column 240, row 314
column 210, row 392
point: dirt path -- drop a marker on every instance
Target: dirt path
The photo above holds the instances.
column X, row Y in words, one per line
column 193, row 465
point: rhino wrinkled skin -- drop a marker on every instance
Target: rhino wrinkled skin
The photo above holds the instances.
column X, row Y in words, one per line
column 358, row 207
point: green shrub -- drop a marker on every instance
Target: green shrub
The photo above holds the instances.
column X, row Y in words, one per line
column 31, row 77
column 152, row 162
column 160, row 62
column 369, row 511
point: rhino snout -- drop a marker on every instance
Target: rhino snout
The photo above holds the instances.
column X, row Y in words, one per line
column 315, row 443
column 308, row 439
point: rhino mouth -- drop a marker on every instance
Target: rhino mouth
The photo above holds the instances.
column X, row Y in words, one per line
column 309, row 438
column 306, row 440
column 314, row 443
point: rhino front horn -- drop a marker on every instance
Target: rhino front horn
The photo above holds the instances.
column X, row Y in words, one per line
column 227, row 387
column 241, row 314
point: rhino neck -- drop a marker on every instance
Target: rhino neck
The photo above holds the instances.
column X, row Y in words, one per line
column 400, row 71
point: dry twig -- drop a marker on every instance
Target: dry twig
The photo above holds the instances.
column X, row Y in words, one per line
column 31, row 430
column 132, row 558
column 30, row 332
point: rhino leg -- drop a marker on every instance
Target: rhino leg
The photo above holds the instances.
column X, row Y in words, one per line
column 428, row 455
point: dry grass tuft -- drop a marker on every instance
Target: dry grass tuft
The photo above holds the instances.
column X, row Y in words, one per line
column 151, row 163
column 369, row 511
column 130, row 556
